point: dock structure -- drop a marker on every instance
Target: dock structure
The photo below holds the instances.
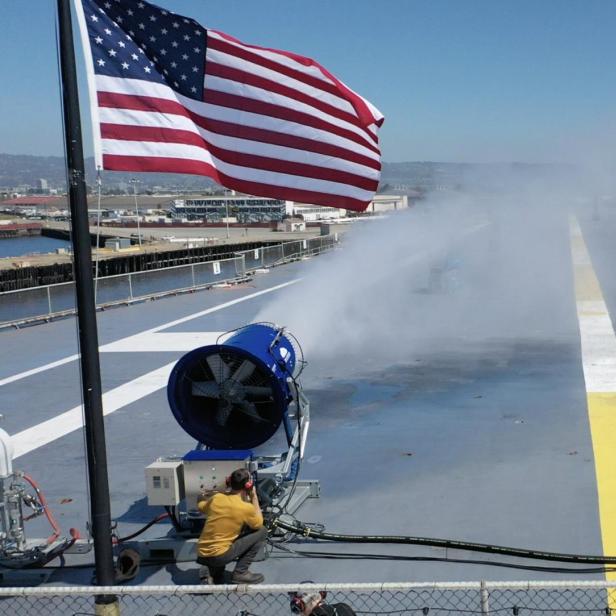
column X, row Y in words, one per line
column 13, row 229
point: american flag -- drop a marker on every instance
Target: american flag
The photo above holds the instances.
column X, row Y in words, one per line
column 169, row 95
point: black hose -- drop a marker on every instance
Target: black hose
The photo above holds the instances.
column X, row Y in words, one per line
column 451, row 544
column 157, row 519
column 466, row 561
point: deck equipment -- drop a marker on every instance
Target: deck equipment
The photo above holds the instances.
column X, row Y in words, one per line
column 233, row 397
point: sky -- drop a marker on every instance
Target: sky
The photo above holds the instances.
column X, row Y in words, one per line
column 457, row 80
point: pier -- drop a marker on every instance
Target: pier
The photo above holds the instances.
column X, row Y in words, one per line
column 12, row 229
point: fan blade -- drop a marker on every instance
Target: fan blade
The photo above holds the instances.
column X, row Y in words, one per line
column 244, row 371
column 219, row 368
column 248, row 409
column 207, row 389
column 258, row 391
column 223, row 413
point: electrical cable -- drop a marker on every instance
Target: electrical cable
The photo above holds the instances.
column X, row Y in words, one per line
column 306, row 531
column 403, row 558
column 155, row 520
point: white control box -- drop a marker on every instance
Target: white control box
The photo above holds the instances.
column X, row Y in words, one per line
column 207, row 475
column 164, row 482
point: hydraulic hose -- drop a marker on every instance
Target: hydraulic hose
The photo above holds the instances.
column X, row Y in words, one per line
column 45, row 506
column 305, row 530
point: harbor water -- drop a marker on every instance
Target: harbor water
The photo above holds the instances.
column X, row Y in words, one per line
column 22, row 246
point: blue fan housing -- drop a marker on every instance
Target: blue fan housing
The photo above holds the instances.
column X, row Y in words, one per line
column 234, row 395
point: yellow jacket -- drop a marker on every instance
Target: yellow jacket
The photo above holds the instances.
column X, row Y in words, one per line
column 226, row 514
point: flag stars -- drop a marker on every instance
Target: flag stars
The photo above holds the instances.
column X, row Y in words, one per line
column 187, row 37
column 163, row 30
column 94, row 18
column 174, row 65
column 134, row 56
column 101, row 62
column 195, row 69
column 198, row 32
column 122, row 44
column 175, row 24
column 184, row 56
column 113, row 53
column 107, row 5
column 147, row 69
column 141, row 5
column 119, row 19
column 183, row 77
column 125, row 65
column 152, row 17
column 130, row 12
column 174, row 43
column 176, row 84
column 153, row 39
column 193, row 90
column 142, row 26
column 197, row 49
column 163, row 52
column 107, row 31
column 98, row 40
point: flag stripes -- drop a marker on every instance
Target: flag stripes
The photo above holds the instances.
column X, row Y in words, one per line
column 263, row 122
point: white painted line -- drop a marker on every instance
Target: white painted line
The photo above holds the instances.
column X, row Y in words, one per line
column 32, row 438
column 70, row 358
column 53, row 364
column 232, row 302
column 162, row 342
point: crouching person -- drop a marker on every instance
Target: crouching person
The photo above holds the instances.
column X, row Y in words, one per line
column 222, row 539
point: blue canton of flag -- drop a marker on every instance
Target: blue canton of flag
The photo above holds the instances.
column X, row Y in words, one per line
column 139, row 40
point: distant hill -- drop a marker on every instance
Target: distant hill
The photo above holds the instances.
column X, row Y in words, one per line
column 17, row 170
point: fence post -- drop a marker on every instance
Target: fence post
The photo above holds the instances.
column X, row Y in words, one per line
column 485, row 599
column 49, row 300
column 130, row 286
column 192, row 271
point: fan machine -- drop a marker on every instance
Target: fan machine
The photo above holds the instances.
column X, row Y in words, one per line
column 233, row 397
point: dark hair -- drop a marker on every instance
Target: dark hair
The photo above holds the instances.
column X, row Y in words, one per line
column 239, row 478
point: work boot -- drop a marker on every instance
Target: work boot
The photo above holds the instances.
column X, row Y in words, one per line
column 246, row 577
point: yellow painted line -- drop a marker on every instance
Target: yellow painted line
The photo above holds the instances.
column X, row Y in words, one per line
column 602, row 415
column 598, row 342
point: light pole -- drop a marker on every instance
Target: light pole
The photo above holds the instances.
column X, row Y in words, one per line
column 134, row 182
column 227, row 210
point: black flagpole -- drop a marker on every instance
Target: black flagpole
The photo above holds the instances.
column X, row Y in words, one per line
column 86, row 310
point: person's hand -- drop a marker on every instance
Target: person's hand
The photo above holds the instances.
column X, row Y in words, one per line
column 204, row 494
column 310, row 605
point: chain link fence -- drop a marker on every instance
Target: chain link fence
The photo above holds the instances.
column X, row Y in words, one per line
column 48, row 301
column 435, row 599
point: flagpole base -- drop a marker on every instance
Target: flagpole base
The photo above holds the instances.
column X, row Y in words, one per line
column 107, row 609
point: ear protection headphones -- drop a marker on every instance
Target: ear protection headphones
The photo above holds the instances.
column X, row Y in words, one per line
column 247, row 486
column 298, row 600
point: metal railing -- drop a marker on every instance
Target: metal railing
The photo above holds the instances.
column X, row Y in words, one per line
column 435, row 599
column 38, row 303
